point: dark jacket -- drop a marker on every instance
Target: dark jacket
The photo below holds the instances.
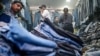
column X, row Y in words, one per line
column 4, row 18
column 66, row 22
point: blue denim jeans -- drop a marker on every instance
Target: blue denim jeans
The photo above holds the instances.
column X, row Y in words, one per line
column 20, row 35
column 49, row 32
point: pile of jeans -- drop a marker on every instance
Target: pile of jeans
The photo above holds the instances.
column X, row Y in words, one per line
column 91, row 38
column 68, row 43
column 44, row 40
column 24, row 43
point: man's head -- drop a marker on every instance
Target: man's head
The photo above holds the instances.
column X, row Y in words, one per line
column 56, row 19
column 43, row 7
column 65, row 10
column 16, row 6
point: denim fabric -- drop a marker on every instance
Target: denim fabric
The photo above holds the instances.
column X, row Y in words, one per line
column 46, row 30
column 19, row 34
column 95, row 53
column 29, row 47
column 32, row 50
column 77, row 53
column 41, row 54
column 66, row 34
column 61, row 52
column 5, row 49
column 51, row 54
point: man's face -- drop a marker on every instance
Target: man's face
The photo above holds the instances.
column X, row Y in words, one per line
column 16, row 8
column 57, row 19
column 65, row 10
column 43, row 8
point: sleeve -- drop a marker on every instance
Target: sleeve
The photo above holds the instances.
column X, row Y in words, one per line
column 5, row 18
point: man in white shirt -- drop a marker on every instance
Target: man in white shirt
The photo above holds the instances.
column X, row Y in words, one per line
column 44, row 12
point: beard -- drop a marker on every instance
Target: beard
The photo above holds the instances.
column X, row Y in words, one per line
column 15, row 11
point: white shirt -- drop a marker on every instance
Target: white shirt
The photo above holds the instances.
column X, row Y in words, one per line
column 46, row 14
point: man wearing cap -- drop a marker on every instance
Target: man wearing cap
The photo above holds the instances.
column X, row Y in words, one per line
column 44, row 12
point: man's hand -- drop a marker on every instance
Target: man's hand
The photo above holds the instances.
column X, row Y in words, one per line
column 4, row 27
column 2, row 24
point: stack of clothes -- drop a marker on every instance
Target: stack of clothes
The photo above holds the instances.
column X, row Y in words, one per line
column 45, row 40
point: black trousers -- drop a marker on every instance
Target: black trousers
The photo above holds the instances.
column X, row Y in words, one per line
column 68, row 27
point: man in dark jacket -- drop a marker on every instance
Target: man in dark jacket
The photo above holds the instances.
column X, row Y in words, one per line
column 66, row 20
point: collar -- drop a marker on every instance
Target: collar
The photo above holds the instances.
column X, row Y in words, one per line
column 11, row 14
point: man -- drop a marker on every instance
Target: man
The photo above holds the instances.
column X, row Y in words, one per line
column 37, row 18
column 4, row 45
column 44, row 12
column 66, row 20
column 40, row 15
column 19, row 34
